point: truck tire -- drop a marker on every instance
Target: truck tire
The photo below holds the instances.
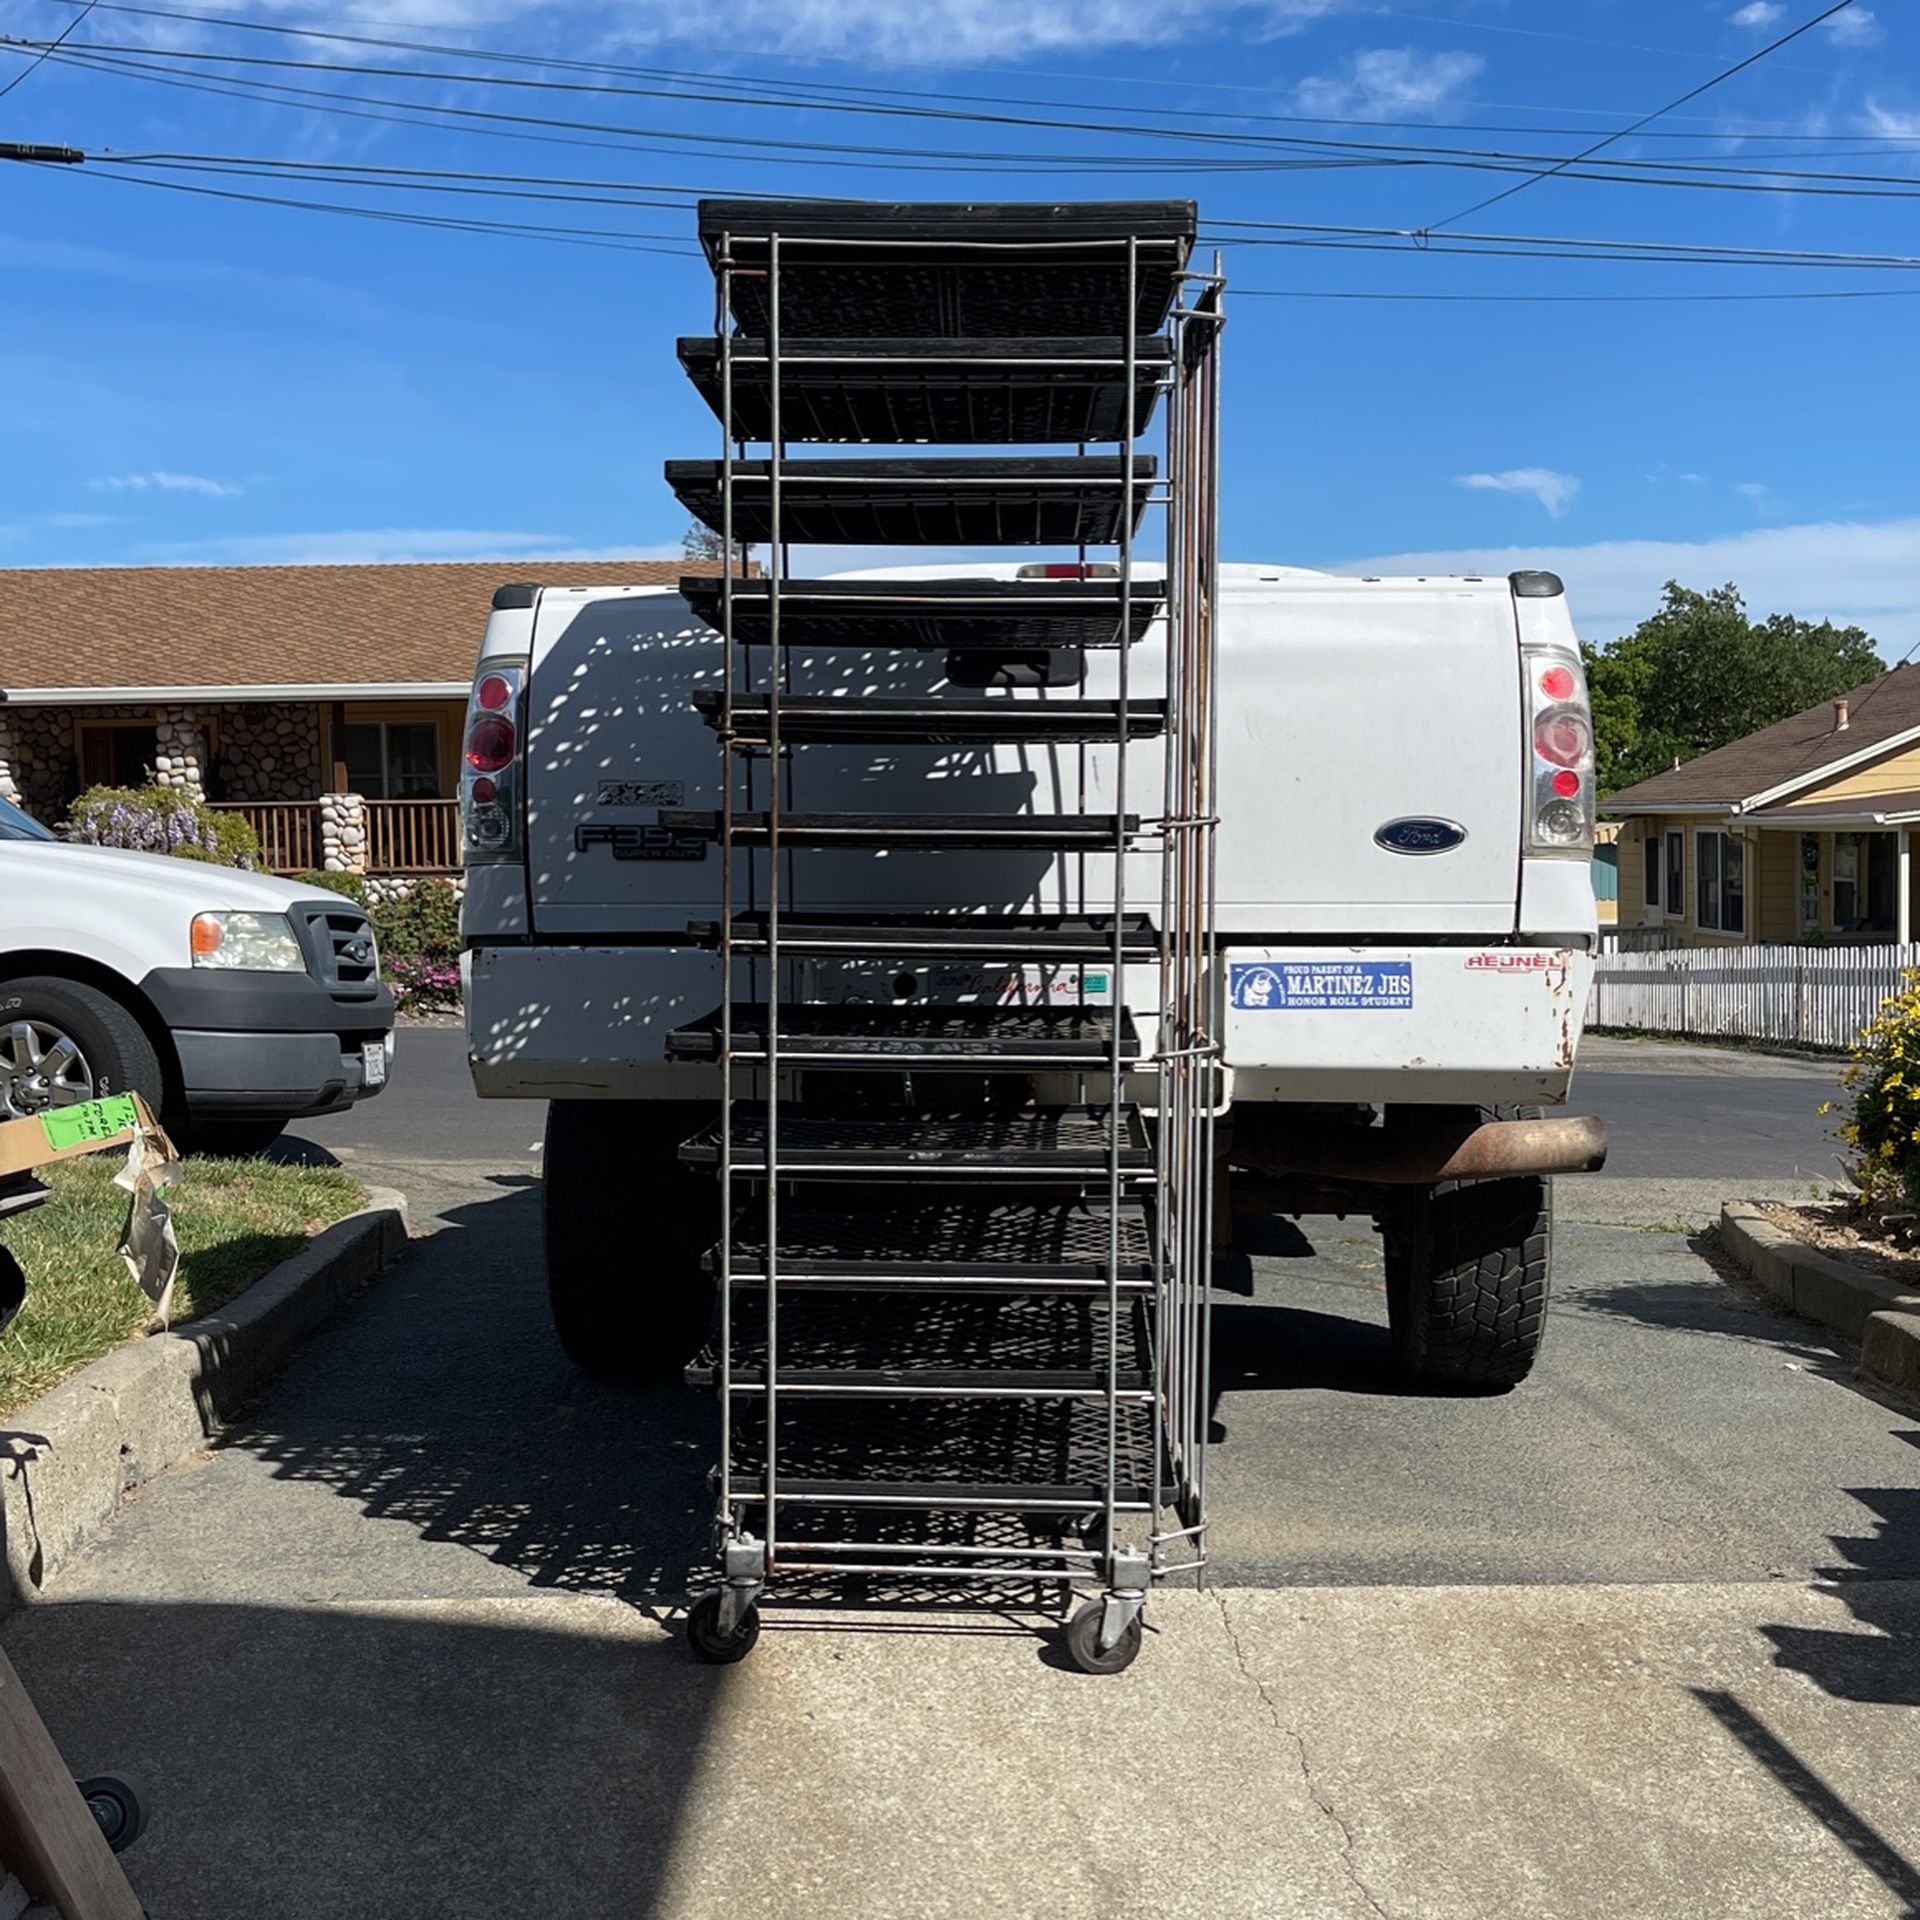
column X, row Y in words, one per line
column 623, row 1225
column 61, row 1041
column 1469, row 1264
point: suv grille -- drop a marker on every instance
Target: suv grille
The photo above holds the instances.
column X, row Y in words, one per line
column 340, row 940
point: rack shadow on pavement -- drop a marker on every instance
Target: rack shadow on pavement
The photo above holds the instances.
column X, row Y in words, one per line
column 442, row 1401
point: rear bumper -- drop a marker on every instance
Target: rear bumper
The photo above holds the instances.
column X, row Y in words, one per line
column 1479, row 1026
column 586, row 1023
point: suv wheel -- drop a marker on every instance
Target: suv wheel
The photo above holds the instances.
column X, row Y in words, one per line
column 61, row 1043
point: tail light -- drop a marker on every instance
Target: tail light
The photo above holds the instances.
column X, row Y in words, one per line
column 490, row 761
column 1560, row 766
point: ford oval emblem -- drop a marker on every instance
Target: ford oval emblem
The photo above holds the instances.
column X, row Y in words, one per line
column 1420, row 836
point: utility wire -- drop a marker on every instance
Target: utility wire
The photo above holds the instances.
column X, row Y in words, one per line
column 392, row 41
column 1298, row 154
column 1693, row 93
column 53, row 46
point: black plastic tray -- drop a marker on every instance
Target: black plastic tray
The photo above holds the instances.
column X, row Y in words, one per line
column 1046, row 501
column 1000, row 616
column 927, row 832
column 1040, row 1141
column 919, row 1034
column 941, row 392
column 906, row 269
column 999, row 936
column 934, row 720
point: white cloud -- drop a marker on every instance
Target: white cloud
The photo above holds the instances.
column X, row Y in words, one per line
column 1554, row 491
column 164, row 482
column 1758, row 495
column 1385, row 82
column 960, row 31
column 1857, row 27
column 1760, row 15
column 378, row 545
column 13, row 532
column 1891, row 123
column 1863, row 573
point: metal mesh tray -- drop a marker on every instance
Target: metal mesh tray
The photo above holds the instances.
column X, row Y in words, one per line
column 1043, row 501
column 1055, row 936
column 1042, row 1141
column 958, row 1241
column 934, row 719
column 1047, row 1344
column 904, row 269
column 1005, row 616
column 924, row 832
column 941, row 392
column 919, row 1033
column 1000, row 1455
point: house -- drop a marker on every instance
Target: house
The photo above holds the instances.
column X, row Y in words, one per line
column 325, row 703
column 1800, row 832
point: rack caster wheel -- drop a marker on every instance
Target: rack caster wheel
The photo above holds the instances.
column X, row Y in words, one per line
column 709, row 1644
column 117, row 1807
column 1083, row 1641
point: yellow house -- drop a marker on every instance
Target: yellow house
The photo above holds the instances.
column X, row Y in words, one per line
column 1801, row 832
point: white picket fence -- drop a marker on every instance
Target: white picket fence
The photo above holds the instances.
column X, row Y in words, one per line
column 1797, row 996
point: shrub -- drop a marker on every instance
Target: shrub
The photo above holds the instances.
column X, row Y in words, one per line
column 419, row 937
column 352, row 885
column 161, row 820
column 1883, row 1106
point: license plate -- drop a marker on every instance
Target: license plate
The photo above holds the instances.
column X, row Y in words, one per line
column 373, row 1064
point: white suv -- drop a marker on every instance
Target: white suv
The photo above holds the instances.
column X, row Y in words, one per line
column 233, row 1001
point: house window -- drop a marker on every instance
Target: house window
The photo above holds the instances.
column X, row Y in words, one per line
column 392, row 759
column 1650, row 860
column 1676, row 874
column 1866, row 880
column 1720, row 883
column 117, row 756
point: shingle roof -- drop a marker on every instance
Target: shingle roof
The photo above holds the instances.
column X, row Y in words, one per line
column 1792, row 749
column 167, row 627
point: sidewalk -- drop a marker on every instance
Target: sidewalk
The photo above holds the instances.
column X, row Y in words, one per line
column 1450, row 1753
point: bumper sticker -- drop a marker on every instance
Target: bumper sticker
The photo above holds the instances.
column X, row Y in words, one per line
column 1277, row 986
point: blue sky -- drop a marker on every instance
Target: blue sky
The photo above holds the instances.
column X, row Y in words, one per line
column 187, row 379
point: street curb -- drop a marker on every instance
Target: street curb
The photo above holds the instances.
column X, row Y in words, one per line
column 68, row 1459
column 1881, row 1315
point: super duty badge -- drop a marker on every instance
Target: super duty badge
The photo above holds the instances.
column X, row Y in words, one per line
column 637, row 842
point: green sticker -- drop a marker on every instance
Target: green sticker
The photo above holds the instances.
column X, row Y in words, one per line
column 1094, row 982
column 91, row 1120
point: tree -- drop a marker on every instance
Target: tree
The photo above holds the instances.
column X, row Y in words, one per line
column 1699, row 674
column 700, row 542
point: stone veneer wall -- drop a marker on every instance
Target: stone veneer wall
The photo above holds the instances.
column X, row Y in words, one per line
column 42, row 759
column 267, row 750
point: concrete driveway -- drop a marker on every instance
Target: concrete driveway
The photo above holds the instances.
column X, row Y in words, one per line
column 1642, row 1638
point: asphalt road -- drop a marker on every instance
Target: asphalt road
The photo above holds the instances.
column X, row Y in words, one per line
column 1641, row 1637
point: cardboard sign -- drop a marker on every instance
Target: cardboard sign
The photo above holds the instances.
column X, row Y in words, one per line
column 65, row 1133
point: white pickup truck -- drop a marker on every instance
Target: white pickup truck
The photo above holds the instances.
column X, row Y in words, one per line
column 1406, row 924
column 235, row 1002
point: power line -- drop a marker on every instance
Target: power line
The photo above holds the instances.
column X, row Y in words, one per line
column 1693, row 93
column 53, row 46
column 238, row 23
column 1297, row 153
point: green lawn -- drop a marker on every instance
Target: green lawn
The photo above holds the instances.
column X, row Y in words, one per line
column 233, row 1218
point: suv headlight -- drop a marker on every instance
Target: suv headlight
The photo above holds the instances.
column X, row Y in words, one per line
column 256, row 942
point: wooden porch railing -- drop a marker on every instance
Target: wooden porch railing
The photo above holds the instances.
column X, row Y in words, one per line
column 288, row 831
column 413, row 836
